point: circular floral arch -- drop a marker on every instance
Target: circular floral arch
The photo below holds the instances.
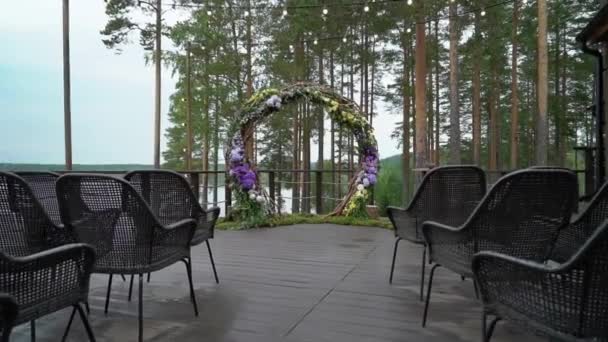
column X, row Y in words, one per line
column 251, row 199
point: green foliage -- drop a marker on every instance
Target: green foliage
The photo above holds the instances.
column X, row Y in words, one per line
column 247, row 212
column 287, row 220
column 390, row 180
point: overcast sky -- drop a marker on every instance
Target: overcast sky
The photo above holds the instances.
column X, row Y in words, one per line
column 112, row 95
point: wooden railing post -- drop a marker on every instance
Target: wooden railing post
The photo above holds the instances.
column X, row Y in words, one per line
column 319, row 191
column 271, row 186
column 195, row 184
column 227, row 195
column 279, row 200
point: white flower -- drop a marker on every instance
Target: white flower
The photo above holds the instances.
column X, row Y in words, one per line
column 252, row 196
column 260, row 199
column 274, row 102
column 365, row 182
column 360, row 187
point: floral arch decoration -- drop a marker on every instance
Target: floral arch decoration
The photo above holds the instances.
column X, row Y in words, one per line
column 250, row 195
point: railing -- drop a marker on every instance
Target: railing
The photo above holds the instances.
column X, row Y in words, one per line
column 310, row 191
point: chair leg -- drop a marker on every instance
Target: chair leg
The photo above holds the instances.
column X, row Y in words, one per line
column 188, row 263
column 123, row 277
column 130, row 287
column 33, row 331
column 141, row 308
column 217, row 281
column 105, row 310
column 67, row 329
column 85, row 321
column 149, row 276
column 390, row 278
column 422, row 275
column 476, row 289
column 428, row 295
column 87, row 307
column 487, row 332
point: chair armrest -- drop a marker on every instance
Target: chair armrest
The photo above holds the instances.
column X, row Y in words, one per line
column 524, row 288
column 404, row 223
column 178, row 234
column 446, row 241
column 54, row 272
column 208, row 220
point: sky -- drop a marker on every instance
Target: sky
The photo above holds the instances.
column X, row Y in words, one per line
column 112, row 94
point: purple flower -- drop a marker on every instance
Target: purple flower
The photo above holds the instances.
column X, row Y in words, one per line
column 235, row 157
column 372, row 170
column 372, row 179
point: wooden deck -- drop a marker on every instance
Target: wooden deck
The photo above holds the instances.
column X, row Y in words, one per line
column 296, row 284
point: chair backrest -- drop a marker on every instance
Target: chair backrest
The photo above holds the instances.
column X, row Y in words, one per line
column 167, row 192
column 109, row 214
column 588, row 285
column 522, row 213
column 571, row 238
column 448, row 194
column 25, row 227
column 43, row 186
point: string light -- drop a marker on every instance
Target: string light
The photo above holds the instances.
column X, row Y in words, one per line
column 209, row 13
column 246, row 14
column 409, row 30
column 315, row 42
column 366, row 8
column 284, row 12
column 325, row 11
column 410, row 2
column 344, row 40
column 483, row 13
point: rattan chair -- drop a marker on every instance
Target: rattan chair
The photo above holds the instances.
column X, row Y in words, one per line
column 37, row 268
column 565, row 301
column 171, row 198
column 8, row 315
column 129, row 239
column 571, row 238
column 447, row 195
column 521, row 216
column 43, row 185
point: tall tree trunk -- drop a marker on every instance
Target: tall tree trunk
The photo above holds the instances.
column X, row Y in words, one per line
column 543, row 84
column 421, row 129
column 437, row 160
column 332, row 128
column 514, row 89
column 454, row 96
column 157, row 85
column 405, row 165
column 430, row 93
column 477, row 93
column 206, row 129
column 216, row 144
column 494, row 120
column 249, row 136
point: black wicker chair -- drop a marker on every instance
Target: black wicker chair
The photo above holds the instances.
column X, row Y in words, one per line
column 521, row 216
column 571, row 238
column 171, row 198
column 8, row 315
column 129, row 239
column 43, row 185
column 566, row 302
column 447, row 195
column 37, row 268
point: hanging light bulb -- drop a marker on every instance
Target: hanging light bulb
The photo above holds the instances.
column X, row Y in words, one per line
column 325, row 11
column 375, row 37
column 284, row 12
column 344, row 40
column 483, row 13
column 246, row 13
column 366, row 9
column 409, row 30
column 209, row 13
column 410, row 2
column 291, row 48
column 315, row 42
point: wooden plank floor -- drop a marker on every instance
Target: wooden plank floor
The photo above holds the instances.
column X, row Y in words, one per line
column 296, row 284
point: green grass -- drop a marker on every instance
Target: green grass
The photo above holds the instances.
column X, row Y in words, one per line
column 288, row 220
